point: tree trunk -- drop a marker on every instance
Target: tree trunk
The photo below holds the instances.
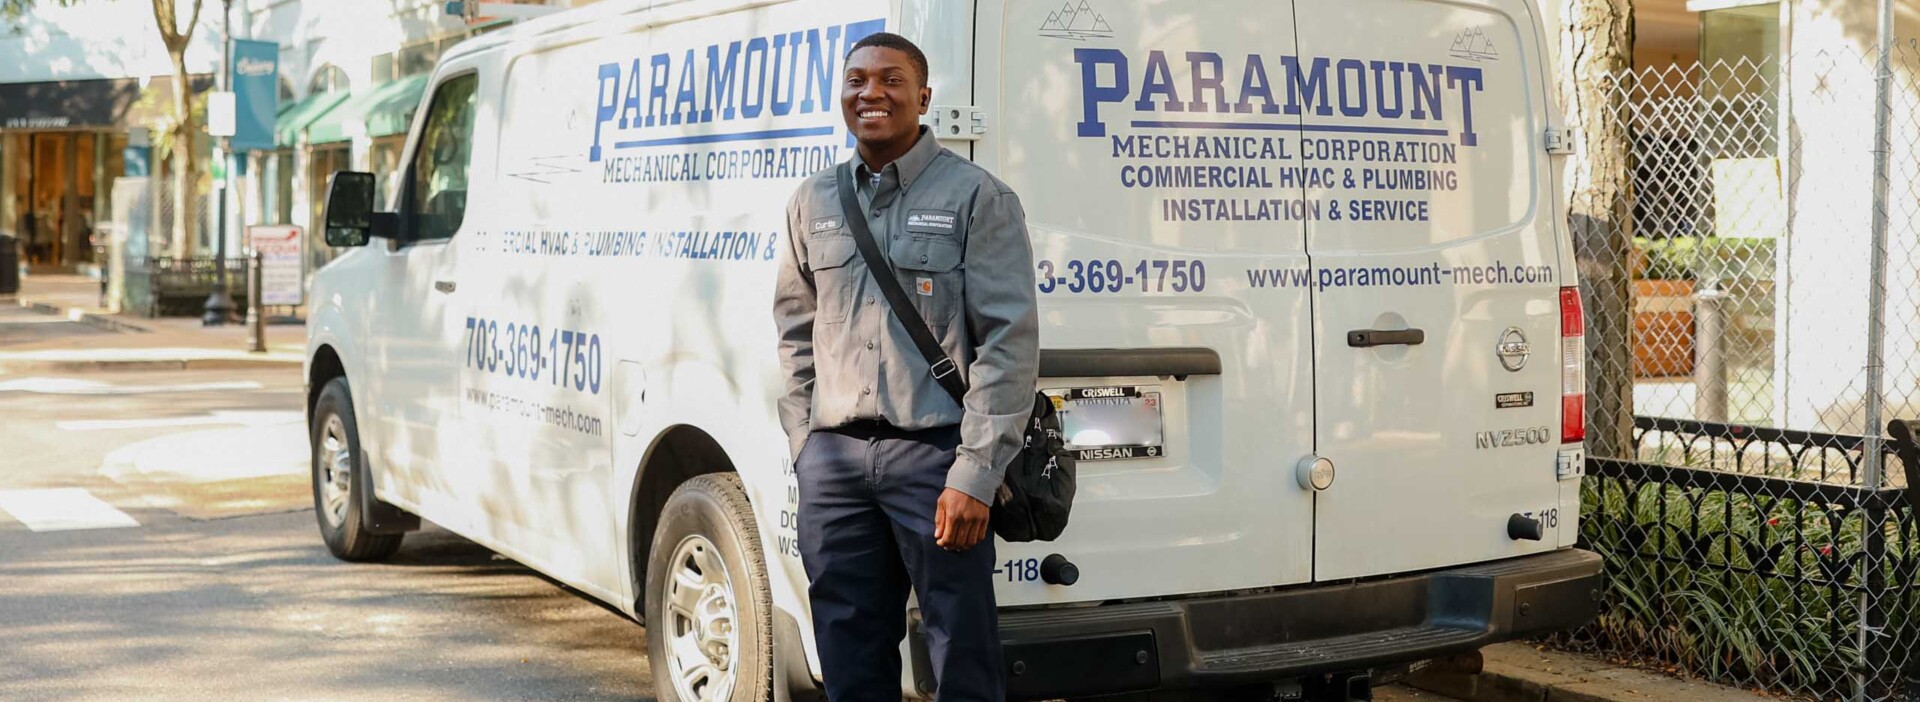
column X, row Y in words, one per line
column 166, row 18
column 1596, row 54
column 184, row 176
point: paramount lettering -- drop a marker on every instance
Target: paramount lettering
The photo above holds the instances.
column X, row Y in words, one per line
column 1311, row 86
column 786, row 73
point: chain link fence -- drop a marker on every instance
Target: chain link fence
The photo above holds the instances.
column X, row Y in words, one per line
column 1744, row 493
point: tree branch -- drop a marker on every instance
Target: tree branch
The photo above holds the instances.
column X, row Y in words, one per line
column 166, row 21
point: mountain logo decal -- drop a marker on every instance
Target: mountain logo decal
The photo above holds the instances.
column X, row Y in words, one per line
column 1472, row 44
column 1077, row 23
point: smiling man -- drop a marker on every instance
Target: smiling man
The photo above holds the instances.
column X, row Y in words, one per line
column 896, row 477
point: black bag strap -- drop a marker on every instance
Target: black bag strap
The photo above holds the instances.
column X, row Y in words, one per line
column 940, row 366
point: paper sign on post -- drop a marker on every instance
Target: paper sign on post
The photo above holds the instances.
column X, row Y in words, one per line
column 220, row 114
column 282, row 261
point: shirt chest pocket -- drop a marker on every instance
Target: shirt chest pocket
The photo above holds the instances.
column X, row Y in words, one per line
column 929, row 268
column 833, row 279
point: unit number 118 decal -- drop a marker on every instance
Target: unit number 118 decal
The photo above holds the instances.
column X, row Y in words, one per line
column 1549, row 518
column 1020, row 571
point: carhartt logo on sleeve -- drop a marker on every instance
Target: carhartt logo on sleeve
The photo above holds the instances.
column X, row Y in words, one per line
column 931, row 222
column 925, row 286
column 826, row 224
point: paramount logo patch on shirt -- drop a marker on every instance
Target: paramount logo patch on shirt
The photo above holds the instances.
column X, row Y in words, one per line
column 931, row 222
column 822, row 224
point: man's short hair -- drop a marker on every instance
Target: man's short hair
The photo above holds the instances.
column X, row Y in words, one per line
column 899, row 43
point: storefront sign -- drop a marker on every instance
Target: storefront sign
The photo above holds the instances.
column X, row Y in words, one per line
column 66, row 104
column 256, row 89
column 281, row 255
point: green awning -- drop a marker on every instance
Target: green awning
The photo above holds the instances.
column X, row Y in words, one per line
column 296, row 118
column 386, row 110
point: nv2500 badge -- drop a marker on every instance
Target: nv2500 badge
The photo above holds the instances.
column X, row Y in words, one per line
column 1502, row 438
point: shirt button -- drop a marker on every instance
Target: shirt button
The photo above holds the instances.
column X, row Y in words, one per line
column 866, row 391
column 923, row 258
column 869, row 344
column 876, row 213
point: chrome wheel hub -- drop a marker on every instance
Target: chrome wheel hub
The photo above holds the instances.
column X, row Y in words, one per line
column 335, row 469
column 699, row 622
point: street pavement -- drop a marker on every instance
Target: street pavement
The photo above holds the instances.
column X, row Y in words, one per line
column 212, row 583
column 23, row 326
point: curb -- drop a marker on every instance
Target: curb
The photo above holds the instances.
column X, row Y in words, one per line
column 82, row 316
column 1521, row 673
column 146, row 364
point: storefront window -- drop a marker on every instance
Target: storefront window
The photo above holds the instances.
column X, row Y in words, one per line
column 330, row 79
column 386, row 169
column 321, row 165
column 1740, row 49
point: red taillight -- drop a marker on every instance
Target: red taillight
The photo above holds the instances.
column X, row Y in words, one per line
column 1573, row 368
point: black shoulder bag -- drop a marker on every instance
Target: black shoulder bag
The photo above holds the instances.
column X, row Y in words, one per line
column 1034, row 499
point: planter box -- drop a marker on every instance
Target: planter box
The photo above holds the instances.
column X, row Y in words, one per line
column 1662, row 328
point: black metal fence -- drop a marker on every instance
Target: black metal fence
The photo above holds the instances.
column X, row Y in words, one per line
column 1753, row 556
column 167, row 286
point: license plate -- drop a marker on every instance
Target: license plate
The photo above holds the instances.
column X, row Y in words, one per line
column 1112, row 422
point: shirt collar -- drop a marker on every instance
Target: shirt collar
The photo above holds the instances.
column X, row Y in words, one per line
column 910, row 165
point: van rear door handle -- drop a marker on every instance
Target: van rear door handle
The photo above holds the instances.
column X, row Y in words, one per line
column 1362, row 338
column 445, row 286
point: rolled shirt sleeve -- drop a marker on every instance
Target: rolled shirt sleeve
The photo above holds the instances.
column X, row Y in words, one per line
column 1002, row 317
column 794, row 303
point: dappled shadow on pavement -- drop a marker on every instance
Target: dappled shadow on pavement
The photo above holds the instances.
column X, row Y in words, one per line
column 254, row 608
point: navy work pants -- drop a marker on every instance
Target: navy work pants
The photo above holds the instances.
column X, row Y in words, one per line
column 867, row 498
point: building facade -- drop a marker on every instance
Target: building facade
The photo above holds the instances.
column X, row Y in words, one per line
column 85, row 97
column 354, row 71
column 80, row 89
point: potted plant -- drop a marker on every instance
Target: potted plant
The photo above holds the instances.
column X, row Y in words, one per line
column 1663, row 285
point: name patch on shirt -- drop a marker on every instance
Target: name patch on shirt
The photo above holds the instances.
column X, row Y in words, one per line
column 931, row 221
column 822, row 224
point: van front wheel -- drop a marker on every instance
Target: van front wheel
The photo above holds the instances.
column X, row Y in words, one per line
column 708, row 607
column 339, row 473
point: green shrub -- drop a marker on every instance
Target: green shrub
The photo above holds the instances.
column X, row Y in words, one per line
column 1714, row 258
column 1734, row 587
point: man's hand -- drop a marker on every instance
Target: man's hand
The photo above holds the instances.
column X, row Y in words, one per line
column 959, row 521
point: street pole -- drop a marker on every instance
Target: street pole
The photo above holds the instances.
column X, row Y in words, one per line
column 256, row 317
column 1871, row 683
column 220, row 304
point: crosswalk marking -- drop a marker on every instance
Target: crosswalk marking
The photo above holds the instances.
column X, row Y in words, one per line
column 75, row 386
column 62, row 509
column 254, row 418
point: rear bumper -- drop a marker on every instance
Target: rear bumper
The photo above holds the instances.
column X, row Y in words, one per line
column 1312, row 629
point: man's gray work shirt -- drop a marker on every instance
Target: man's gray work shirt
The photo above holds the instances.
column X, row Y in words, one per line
column 957, row 239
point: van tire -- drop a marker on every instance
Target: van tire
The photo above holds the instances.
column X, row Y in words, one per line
column 334, row 443
column 708, row 519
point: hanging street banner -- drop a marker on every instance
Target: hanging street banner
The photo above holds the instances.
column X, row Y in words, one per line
column 281, row 261
column 256, row 88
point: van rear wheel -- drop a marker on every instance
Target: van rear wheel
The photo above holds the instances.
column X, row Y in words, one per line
column 339, row 474
column 708, row 606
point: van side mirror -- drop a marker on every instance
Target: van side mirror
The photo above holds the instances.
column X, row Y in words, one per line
column 348, row 215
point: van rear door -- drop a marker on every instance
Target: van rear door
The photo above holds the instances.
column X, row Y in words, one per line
column 1435, row 289
column 1139, row 139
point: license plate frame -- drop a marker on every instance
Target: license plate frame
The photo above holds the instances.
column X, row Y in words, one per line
column 1112, row 422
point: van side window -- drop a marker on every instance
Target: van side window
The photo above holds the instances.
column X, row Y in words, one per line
column 436, row 198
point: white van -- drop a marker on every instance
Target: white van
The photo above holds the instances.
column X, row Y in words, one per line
column 1307, row 300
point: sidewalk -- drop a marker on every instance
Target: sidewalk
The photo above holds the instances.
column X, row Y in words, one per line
column 163, row 343
column 1521, row 672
